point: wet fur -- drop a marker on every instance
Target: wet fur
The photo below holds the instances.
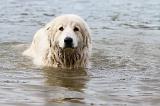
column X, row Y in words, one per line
column 46, row 52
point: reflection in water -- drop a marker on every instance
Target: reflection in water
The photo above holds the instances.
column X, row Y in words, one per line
column 74, row 79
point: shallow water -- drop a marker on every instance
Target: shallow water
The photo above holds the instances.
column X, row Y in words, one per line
column 125, row 62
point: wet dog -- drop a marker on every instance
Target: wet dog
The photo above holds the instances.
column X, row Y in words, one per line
column 64, row 42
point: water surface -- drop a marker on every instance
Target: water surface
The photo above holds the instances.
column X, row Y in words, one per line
column 125, row 58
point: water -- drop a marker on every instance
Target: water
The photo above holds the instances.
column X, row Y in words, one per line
column 125, row 60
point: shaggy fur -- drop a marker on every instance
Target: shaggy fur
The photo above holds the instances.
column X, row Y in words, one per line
column 46, row 47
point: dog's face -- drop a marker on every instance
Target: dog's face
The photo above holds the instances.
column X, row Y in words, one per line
column 70, row 32
column 69, row 36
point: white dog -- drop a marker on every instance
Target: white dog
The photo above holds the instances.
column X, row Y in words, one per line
column 64, row 42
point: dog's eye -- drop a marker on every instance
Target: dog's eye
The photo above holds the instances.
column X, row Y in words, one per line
column 61, row 28
column 76, row 29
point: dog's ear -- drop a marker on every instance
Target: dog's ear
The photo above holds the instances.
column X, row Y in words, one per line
column 86, row 33
column 51, row 31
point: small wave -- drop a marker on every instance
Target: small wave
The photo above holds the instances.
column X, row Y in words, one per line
column 141, row 26
column 46, row 14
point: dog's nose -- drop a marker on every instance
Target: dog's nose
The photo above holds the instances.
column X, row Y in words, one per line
column 68, row 42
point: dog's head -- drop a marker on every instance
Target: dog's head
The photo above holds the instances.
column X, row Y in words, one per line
column 68, row 31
